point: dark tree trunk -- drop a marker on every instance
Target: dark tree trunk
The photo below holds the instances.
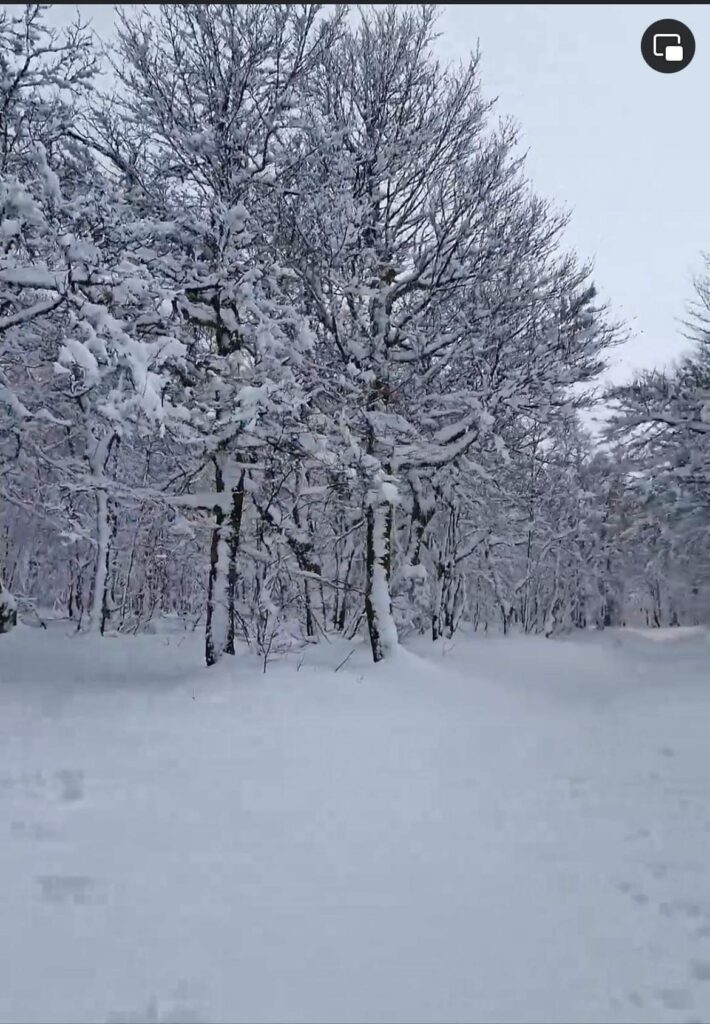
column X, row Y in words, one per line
column 8, row 611
column 378, row 604
column 213, row 644
column 220, row 625
column 235, row 530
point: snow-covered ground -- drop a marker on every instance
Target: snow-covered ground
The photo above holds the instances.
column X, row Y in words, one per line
column 503, row 830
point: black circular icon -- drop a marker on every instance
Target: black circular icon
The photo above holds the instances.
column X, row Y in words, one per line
column 668, row 46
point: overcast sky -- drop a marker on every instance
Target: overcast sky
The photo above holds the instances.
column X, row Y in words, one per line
column 624, row 148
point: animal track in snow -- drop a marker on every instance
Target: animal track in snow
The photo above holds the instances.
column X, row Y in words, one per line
column 76, row 889
column 676, row 998
column 71, row 785
column 36, row 830
column 636, row 894
column 700, row 970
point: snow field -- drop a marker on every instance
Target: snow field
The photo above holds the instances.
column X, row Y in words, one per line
column 500, row 829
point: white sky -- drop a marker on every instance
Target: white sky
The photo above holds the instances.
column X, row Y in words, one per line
column 620, row 145
column 624, row 148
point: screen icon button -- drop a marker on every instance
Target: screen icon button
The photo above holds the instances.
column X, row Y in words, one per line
column 668, row 46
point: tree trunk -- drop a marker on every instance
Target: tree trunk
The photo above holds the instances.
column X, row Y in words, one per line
column 310, row 627
column 454, row 604
column 98, row 612
column 235, row 529
column 437, row 600
column 342, row 604
column 97, row 454
column 378, row 602
column 8, row 610
column 220, row 625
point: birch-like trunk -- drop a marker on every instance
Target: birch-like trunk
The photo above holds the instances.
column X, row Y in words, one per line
column 98, row 613
column 378, row 602
column 236, row 511
column 97, row 456
column 220, row 625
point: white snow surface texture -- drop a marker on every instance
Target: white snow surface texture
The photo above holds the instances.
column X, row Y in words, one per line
column 495, row 830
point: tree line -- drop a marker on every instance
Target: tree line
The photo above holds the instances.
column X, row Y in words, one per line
column 290, row 346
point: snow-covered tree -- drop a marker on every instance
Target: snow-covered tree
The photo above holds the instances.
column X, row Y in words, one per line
column 441, row 303
column 289, row 345
column 202, row 132
column 661, row 426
